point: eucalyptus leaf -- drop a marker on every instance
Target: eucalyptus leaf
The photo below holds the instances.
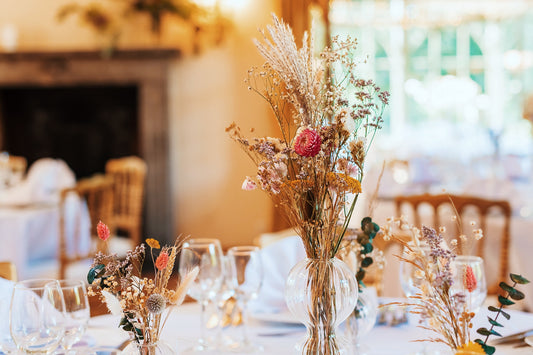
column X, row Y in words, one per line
column 366, row 262
column 493, row 309
column 489, row 350
column 94, row 273
column 505, row 314
column 483, row 331
column 517, row 295
column 519, row 279
column 505, row 301
column 506, row 287
column 494, row 323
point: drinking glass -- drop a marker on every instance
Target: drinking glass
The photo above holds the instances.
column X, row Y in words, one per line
column 248, row 267
column 223, row 305
column 469, row 279
column 207, row 255
column 410, row 285
column 37, row 315
column 77, row 312
column 7, row 345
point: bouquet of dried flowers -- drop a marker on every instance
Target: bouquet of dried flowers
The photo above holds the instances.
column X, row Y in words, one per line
column 327, row 119
column 140, row 301
column 445, row 308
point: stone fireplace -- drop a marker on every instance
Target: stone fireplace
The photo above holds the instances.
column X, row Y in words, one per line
column 86, row 109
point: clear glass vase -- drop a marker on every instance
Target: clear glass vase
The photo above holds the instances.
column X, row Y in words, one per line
column 151, row 348
column 361, row 321
column 321, row 293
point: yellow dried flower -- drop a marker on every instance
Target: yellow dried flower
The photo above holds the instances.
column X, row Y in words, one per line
column 152, row 243
column 344, row 182
column 470, row 349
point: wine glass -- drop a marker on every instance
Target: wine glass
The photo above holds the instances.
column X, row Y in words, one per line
column 77, row 312
column 469, row 279
column 37, row 315
column 207, row 255
column 223, row 305
column 410, row 283
column 7, row 345
column 248, row 267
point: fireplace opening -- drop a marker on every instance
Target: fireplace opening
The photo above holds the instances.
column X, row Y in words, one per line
column 83, row 125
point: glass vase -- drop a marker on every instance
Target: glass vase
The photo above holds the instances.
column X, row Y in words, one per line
column 321, row 293
column 361, row 321
column 148, row 348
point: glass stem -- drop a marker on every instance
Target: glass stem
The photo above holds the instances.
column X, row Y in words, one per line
column 244, row 315
column 203, row 305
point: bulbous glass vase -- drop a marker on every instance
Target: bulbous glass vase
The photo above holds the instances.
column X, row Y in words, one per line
column 151, row 348
column 321, row 293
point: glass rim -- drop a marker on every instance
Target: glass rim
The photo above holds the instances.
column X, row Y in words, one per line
column 243, row 248
column 35, row 284
column 468, row 257
column 201, row 241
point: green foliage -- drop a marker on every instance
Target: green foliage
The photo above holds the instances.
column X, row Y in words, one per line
column 511, row 293
column 365, row 239
column 95, row 273
column 489, row 350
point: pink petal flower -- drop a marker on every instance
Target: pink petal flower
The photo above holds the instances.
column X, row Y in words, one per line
column 103, row 231
column 248, row 184
column 307, row 143
column 161, row 261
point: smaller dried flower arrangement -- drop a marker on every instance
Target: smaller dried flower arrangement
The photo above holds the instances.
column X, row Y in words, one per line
column 140, row 302
column 445, row 309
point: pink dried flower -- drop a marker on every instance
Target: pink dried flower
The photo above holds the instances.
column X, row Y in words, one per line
column 161, row 261
column 307, row 143
column 248, row 184
column 103, row 231
column 469, row 280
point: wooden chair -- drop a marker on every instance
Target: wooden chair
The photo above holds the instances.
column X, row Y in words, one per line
column 97, row 192
column 129, row 175
column 465, row 205
column 8, row 271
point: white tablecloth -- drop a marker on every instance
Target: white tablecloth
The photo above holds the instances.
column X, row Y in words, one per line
column 183, row 328
column 29, row 234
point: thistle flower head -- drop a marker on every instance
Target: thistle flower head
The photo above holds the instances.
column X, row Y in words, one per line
column 156, row 303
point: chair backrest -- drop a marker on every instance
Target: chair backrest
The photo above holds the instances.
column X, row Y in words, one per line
column 462, row 206
column 129, row 175
column 8, row 270
column 97, row 193
column 17, row 163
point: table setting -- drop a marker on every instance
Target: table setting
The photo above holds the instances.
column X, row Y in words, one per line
column 306, row 294
column 30, row 214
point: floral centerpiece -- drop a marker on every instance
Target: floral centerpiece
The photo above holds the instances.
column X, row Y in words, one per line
column 443, row 297
column 140, row 301
column 327, row 119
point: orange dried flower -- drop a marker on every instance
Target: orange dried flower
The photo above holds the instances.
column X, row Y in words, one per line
column 103, row 231
column 161, row 261
column 152, row 243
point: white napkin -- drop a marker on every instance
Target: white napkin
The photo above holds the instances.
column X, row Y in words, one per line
column 278, row 259
column 45, row 179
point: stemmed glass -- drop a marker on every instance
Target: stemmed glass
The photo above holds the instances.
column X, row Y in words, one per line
column 77, row 312
column 37, row 315
column 248, row 267
column 207, row 255
column 227, row 290
column 410, row 285
column 469, row 279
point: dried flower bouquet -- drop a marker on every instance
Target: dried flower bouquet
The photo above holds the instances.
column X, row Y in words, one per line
column 140, row 301
column 327, row 119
